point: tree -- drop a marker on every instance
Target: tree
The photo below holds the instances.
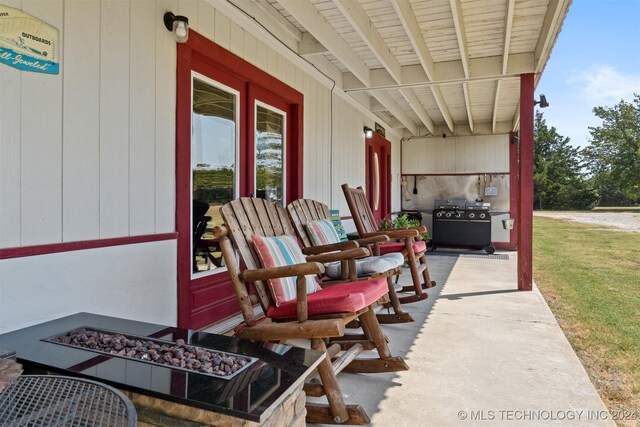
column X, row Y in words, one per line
column 614, row 153
column 558, row 180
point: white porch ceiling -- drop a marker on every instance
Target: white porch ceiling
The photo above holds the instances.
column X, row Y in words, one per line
column 424, row 66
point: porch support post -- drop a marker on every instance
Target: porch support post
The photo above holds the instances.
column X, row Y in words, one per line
column 514, row 190
column 525, row 193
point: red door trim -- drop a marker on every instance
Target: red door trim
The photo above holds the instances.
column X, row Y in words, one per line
column 210, row 56
column 183, row 160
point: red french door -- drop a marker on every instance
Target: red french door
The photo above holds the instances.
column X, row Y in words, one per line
column 238, row 133
column 378, row 170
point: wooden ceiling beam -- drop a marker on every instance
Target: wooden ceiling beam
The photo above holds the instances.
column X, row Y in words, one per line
column 392, row 107
column 496, row 98
column 275, row 14
column 482, row 69
column 410, row 24
column 359, row 20
column 456, row 12
column 508, row 25
column 556, row 11
column 416, row 105
column 308, row 16
column 516, row 120
column 287, row 33
column 467, row 102
column 310, row 46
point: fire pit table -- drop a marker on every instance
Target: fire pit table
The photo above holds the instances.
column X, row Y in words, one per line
column 267, row 378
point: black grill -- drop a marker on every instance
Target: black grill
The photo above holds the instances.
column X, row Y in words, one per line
column 462, row 223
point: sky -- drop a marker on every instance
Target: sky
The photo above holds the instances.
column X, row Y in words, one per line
column 595, row 62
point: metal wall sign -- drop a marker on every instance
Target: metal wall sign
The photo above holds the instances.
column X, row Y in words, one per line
column 28, row 43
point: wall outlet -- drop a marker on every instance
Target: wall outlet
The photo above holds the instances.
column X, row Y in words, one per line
column 490, row 191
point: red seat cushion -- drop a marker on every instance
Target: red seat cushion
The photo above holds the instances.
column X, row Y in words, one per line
column 418, row 246
column 341, row 298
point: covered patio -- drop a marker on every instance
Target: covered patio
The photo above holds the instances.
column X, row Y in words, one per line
column 480, row 352
column 104, row 161
column 448, row 87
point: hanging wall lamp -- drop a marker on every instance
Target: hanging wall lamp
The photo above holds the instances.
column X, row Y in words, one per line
column 178, row 25
column 368, row 132
column 543, row 101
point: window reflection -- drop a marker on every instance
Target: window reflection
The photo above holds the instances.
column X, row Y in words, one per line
column 270, row 127
column 376, row 181
column 213, row 166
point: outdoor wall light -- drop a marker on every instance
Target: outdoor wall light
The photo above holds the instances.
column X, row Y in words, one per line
column 178, row 25
column 514, row 139
column 543, row 101
column 368, row 132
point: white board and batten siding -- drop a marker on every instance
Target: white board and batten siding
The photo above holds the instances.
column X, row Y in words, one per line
column 456, row 155
column 135, row 282
column 89, row 154
column 478, row 154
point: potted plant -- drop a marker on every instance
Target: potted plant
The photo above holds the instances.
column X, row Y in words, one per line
column 402, row 220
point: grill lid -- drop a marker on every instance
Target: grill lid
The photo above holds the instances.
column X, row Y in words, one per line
column 461, row 204
column 450, row 204
column 478, row 206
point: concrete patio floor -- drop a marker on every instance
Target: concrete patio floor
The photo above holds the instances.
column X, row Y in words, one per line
column 480, row 353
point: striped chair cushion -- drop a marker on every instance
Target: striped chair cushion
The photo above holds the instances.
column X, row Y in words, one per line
column 280, row 251
column 322, row 232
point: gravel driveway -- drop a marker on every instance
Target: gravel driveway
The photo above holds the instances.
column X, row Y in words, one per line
column 625, row 221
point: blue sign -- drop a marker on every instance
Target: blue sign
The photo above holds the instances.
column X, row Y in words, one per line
column 27, row 63
column 27, row 43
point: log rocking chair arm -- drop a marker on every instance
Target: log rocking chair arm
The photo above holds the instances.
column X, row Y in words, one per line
column 315, row 250
column 421, row 229
column 345, row 255
column 302, row 269
column 395, row 233
column 372, row 240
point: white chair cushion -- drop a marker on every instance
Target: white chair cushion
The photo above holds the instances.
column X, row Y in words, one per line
column 369, row 265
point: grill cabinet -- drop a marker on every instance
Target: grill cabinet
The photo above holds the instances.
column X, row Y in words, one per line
column 462, row 223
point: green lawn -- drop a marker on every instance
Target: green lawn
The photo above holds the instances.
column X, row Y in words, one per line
column 591, row 280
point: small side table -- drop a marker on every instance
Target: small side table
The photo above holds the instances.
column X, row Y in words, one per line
column 50, row 400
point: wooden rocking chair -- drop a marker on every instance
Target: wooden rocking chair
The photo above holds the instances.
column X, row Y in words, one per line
column 305, row 212
column 316, row 317
column 414, row 251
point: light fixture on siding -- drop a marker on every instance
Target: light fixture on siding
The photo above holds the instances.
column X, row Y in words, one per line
column 368, row 132
column 178, row 25
column 543, row 101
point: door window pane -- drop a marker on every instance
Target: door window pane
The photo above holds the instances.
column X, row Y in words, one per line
column 270, row 137
column 213, row 166
column 376, row 181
